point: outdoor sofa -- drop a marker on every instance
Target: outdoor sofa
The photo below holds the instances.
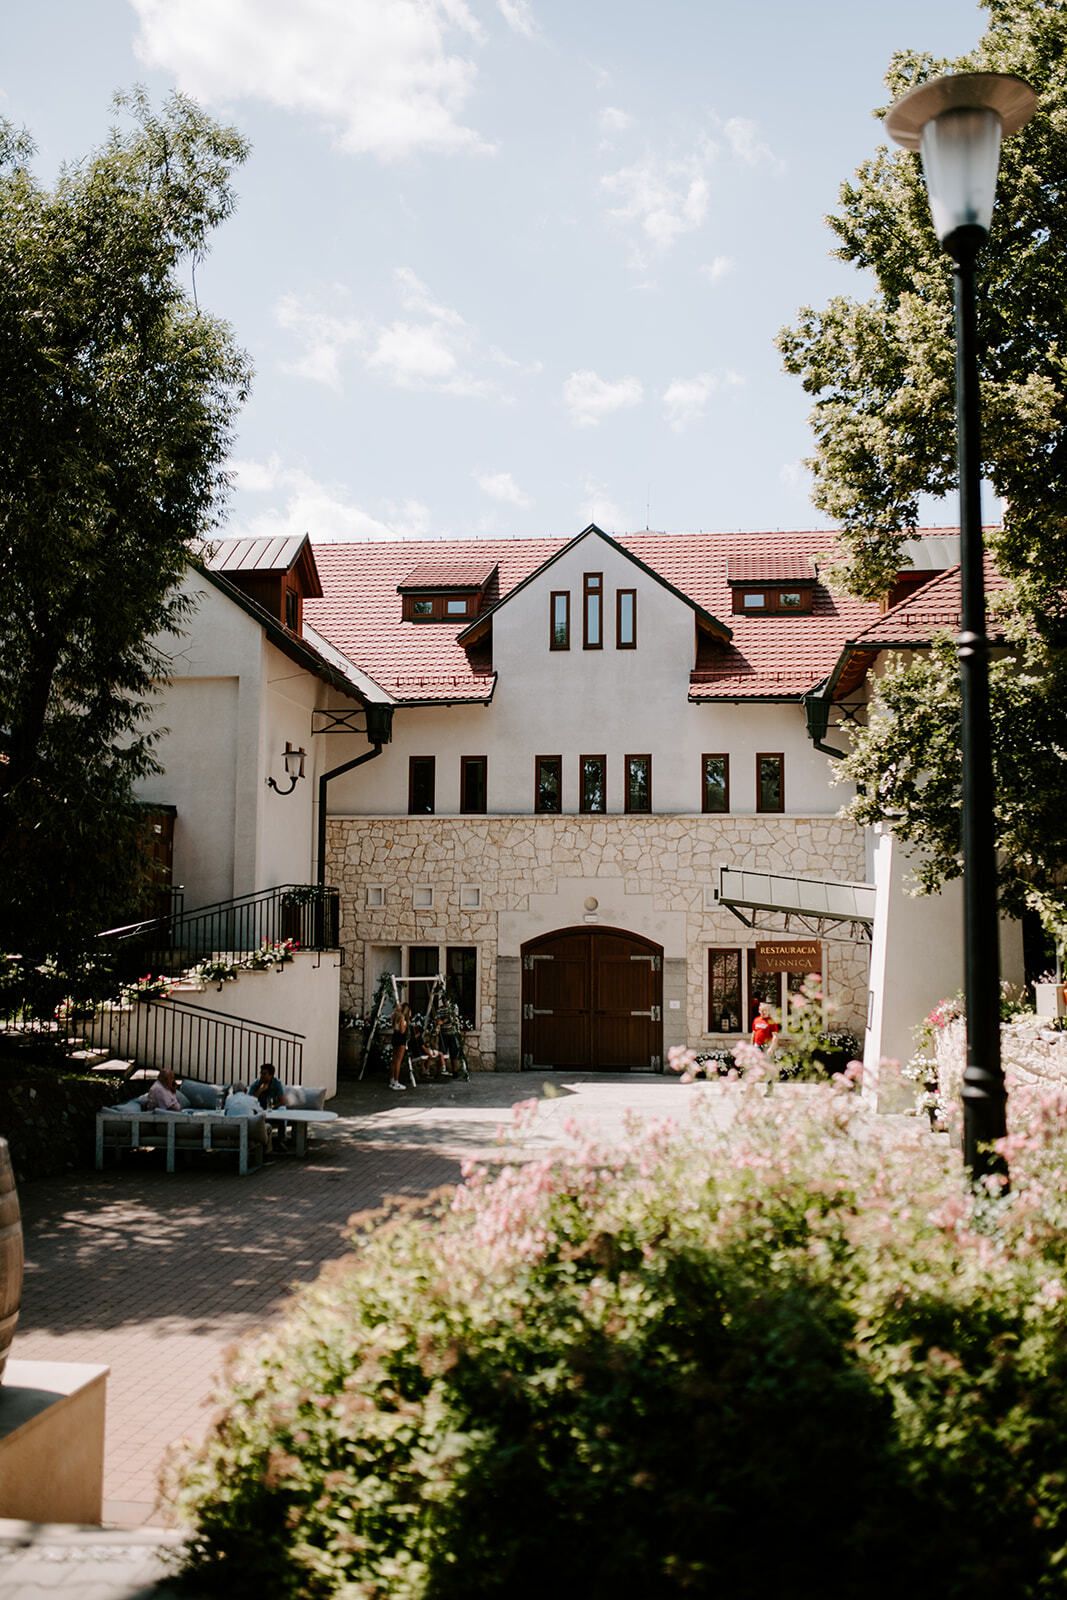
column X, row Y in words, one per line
column 215, row 1119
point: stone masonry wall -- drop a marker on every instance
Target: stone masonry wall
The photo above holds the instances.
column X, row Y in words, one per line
column 670, row 861
column 1032, row 1054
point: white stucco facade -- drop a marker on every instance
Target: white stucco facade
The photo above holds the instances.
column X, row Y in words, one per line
column 230, row 705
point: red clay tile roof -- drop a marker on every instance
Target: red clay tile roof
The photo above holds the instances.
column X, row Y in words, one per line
column 909, row 625
column 932, row 609
column 769, row 657
column 448, row 575
column 770, row 569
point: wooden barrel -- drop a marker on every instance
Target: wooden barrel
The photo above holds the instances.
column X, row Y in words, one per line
column 10, row 1255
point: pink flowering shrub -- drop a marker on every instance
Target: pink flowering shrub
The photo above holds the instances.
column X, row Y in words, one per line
column 791, row 1356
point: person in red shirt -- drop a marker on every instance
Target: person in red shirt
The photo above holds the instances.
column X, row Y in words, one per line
column 764, row 1028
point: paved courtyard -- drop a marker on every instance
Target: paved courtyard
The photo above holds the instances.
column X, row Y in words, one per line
column 155, row 1275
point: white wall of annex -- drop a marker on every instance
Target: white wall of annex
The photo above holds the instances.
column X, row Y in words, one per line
column 286, row 821
column 228, row 706
column 592, row 702
column 198, row 754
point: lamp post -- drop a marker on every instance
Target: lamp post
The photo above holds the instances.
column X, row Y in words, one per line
column 957, row 124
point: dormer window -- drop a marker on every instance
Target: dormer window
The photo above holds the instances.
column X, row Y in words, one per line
column 436, row 592
column 773, row 602
column 771, row 586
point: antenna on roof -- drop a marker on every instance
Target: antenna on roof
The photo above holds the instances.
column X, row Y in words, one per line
column 648, row 508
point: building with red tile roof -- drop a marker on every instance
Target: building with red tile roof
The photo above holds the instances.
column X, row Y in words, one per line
column 774, row 658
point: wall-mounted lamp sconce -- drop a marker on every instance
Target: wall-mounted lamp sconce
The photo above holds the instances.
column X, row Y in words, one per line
column 294, row 769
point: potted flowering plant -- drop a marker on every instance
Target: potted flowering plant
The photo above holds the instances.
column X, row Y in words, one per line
column 270, row 955
column 216, row 971
column 147, row 988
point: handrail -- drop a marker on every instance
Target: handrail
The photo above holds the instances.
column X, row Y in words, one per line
column 225, row 1016
column 211, row 1046
column 308, row 914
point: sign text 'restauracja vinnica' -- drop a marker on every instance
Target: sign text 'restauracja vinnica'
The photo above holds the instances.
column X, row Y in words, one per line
column 793, row 955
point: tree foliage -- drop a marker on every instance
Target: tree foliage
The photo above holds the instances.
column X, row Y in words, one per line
column 906, row 766
column 882, row 374
column 117, row 398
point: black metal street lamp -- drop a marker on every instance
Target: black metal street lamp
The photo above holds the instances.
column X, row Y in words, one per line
column 957, row 124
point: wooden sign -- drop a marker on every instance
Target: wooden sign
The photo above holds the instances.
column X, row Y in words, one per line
column 790, row 955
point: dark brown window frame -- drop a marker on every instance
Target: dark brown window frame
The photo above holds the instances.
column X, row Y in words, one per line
column 439, row 604
column 411, row 785
column 713, row 1021
column 772, row 606
column 771, row 755
column 583, row 809
column 714, row 755
column 589, row 592
column 565, row 596
column 632, row 643
column 539, row 809
column 465, row 765
column 636, row 811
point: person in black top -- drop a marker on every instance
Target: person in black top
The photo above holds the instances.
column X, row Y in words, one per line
column 268, row 1091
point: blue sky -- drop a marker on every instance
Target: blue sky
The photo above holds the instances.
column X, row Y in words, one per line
column 506, row 266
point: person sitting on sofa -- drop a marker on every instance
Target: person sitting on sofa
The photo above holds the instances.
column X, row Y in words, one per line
column 268, row 1090
column 163, row 1095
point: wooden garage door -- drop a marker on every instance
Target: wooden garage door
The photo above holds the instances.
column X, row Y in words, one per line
column 592, row 999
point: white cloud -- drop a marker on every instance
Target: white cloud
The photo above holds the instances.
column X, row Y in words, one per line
column 796, row 475
column 414, row 356
column 518, row 16
column 325, row 338
column 304, row 505
column 685, row 400
column 613, row 120
column 717, row 268
column 502, row 486
column 742, row 135
column 589, row 398
column 432, row 347
column 387, row 77
column 598, row 507
column 664, row 197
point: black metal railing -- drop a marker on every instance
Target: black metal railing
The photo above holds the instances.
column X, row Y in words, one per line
column 308, row 914
column 210, row 1046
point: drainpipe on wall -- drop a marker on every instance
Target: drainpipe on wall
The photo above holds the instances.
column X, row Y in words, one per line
column 380, row 732
column 817, row 711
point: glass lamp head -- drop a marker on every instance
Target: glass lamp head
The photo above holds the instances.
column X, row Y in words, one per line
column 957, row 124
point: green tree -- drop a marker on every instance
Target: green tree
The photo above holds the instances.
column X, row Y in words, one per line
column 117, row 400
column 881, row 371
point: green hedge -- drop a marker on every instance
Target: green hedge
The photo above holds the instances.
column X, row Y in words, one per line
column 788, row 1358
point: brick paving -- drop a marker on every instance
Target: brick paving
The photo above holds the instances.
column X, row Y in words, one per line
column 156, row 1275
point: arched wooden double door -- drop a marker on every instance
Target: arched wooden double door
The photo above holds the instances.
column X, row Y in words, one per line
column 592, row 998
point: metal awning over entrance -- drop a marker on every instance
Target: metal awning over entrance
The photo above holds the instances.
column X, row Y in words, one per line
column 818, row 906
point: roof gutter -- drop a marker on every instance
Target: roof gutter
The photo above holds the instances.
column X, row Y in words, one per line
column 817, row 711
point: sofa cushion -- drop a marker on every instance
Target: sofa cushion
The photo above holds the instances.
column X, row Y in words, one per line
column 183, row 1100
column 201, row 1096
column 127, row 1108
column 303, row 1097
